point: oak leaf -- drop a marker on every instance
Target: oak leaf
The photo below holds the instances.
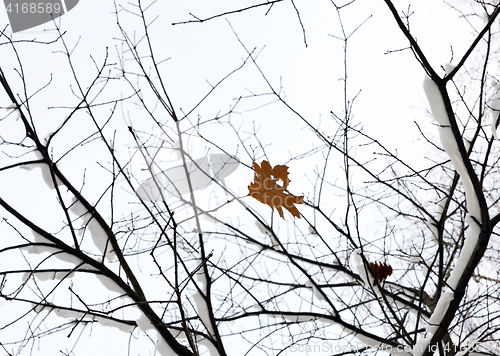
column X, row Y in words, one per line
column 381, row 270
column 266, row 188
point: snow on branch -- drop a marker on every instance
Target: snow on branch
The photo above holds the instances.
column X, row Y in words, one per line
column 91, row 317
column 450, row 145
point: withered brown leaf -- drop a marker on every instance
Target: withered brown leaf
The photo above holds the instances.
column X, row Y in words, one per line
column 381, row 270
column 265, row 188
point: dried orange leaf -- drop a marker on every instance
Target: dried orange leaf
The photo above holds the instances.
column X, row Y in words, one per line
column 265, row 188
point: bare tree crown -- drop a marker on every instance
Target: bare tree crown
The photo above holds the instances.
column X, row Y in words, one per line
column 226, row 219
